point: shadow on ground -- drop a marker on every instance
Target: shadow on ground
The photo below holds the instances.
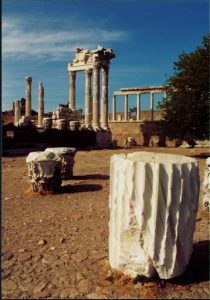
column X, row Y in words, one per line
column 196, row 271
column 198, row 267
column 90, row 176
column 79, row 188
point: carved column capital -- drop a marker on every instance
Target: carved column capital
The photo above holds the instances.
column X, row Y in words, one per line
column 72, row 74
column 88, row 72
column 28, row 79
column 96, row 67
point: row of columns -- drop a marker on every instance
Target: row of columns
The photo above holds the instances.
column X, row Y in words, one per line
column 138, row 106
column 17, row 103
column 92, row 102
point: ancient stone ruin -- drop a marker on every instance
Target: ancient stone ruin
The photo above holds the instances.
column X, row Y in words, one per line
column 44, row 171
column 47, row 169
column 153, row 204
column 92, row 61
column 67, row 156
column 206, row 186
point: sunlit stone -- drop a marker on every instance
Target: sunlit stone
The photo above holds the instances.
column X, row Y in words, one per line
column 206, row 186
column 44, row 171
column 153, row 204
column 67, row 156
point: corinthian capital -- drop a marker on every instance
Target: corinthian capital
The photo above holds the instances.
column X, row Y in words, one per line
column 96, row 67
column 88, row 72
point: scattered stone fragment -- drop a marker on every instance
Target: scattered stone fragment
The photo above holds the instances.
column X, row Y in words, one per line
column 96, row 296
column 8, row 284
column 40, row 286
column 41, row 242
column 84, row 286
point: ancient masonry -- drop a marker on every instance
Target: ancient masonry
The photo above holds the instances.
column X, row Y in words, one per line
column 153, row 205
column 40, row 104
column 92, row 61
column 138, row 91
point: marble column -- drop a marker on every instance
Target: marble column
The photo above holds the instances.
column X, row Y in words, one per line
column 40, row 104
column 151, row 106
column 165, row 96
column 104, row 98
column 96, row 96
column 88, row 74
column 72, row 89
column 17, row 112
column 114, row 108
column 126, row 108
column 28, row 81
column 138, row 105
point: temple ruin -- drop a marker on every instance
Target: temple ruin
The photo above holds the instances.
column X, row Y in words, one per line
column 92, row 62
column 138, row 91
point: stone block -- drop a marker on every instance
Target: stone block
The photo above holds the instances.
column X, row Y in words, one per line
column 153, row 205
column 67, row 157
column 44, row 171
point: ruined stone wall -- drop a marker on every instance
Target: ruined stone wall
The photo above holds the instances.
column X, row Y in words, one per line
column 145, row 115
column 143, row 132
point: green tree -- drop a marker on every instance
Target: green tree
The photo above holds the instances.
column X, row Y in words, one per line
column 186, row 109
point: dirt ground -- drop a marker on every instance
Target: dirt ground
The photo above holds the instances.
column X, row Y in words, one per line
column 56, row 246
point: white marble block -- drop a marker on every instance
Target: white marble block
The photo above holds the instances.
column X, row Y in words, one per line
column 206, row 186
column 44, row 171
column 67, row 156
column 153, row 204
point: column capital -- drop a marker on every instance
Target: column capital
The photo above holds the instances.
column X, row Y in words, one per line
column 96, row 66
column 105, row 68
column 88, row 72
column 28, row 79
column 72, row 74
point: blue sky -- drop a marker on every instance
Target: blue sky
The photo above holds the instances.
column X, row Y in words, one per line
column 39, row 38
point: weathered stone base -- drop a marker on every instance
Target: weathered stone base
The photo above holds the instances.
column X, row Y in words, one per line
column 153, row 204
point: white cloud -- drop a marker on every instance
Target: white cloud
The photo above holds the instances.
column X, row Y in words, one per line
column 20, row 42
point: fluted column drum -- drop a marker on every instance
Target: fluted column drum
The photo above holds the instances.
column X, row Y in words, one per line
column 153, row 205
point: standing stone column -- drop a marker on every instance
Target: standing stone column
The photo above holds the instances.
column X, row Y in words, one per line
column 138, row 105
column 88, row 74
column 17, row 112
column 126, row 108
column 72, row 89
column 96, row 96
column 104, row 99
column 151, row 106
column 114, row 108
column 40, row 104
column 28, row 81
column 165, row 96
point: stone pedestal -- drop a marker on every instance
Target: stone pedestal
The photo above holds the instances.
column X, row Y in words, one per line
column 61, row 124
column 74, row 125
column 153, row 204
column 44, row 171
column 67, row 156
column 47, row 123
